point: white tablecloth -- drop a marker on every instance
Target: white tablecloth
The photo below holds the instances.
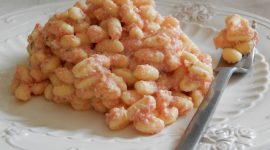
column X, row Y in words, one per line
column 260, row 7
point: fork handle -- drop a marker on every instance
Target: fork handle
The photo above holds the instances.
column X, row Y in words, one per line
column 200, row 120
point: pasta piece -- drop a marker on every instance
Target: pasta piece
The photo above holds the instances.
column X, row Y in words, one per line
column 163, row 99
column 38, row 88
column 70, row 41
column 83, row 38
column 59, row 28
column 146, row 72
column 130, row 97
column 151, row 27
column 90, row 66
column 129, row 16
column 165, row 82
column 98, row 106
column 64, row 75
column 63, row 90
column 119, row 60
column 37, row 75
column 74, row 55
column 50, row 65
column 191, row 58
column 110, row 46
column 121, row 2
column 238, row 29
column 201, row 73
column 111, row 8
column 23, row 92
column 86, row 83
column 148, row 124
column 80, row 104
column 55, row 80
column 81, row 27
column 35, row 33
column 95, row 2
column 244, row 47
column 148, row 12
column 221, row 41
column 139, row 3
column 179, row 73
column 169, row 115
column 146, row 103
column 107, row 89
column 126, row 74
column 158, row 42
column 197, row 98
column 149, row 56
column 117, row 118
column 131, row 44
column 188, row 85
column 100, row 14
column 85, row 94
column 183, row 104
column 170, row 21
column 114, row 28
column 23, row 74
column 172, row 60
column 96, row 34
column 145, row 87
column 76, row 13
column 159, row 19
column 119, row 81
column 136, row 32
column 110, row 104
column 37, row 58
column 231, row 55
column 81, row 5
column 189, row 45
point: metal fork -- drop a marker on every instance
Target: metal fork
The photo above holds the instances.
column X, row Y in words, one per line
column 200, row 120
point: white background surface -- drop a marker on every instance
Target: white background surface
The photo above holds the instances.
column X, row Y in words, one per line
column 259, row 7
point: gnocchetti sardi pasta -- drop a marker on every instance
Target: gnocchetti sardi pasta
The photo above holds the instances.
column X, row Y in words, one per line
column 117, row 57
column 236, row 39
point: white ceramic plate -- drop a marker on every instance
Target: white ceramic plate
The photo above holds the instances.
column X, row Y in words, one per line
column 34, row 124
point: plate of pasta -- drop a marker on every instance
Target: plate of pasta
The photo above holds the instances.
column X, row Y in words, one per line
column 133, row 77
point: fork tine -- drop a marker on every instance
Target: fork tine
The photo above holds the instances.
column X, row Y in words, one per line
column 254, row 24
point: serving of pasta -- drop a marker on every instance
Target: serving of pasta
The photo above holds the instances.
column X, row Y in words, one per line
column 117, row 57
column 237, row 39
